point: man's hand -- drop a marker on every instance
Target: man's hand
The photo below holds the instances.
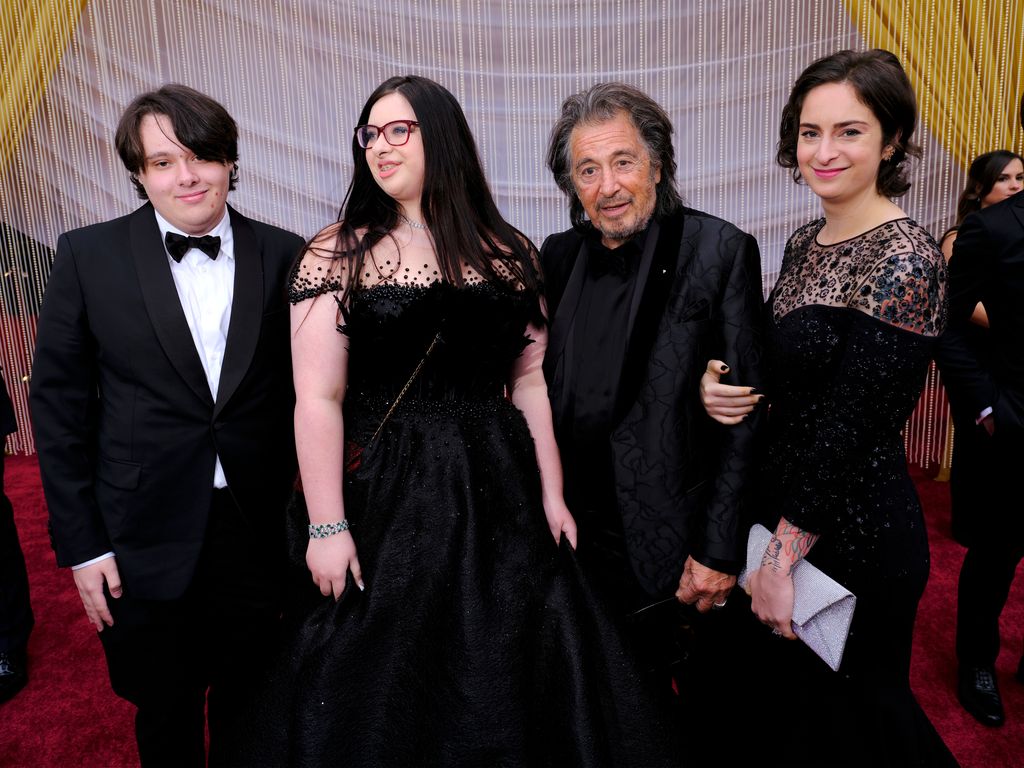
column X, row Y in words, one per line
column 704, row 586
column 90, row 581
column 725, row 403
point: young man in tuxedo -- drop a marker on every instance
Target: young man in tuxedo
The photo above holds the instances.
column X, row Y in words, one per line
column 162, row 403
column 988, row 267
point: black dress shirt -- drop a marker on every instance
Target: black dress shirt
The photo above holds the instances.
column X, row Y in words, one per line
column 592, row 364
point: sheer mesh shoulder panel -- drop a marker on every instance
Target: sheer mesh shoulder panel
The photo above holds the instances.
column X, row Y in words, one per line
column 894, row 273
column 319, row 271
column 907, row 287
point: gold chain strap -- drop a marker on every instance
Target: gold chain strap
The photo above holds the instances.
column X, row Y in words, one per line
column 412, row 378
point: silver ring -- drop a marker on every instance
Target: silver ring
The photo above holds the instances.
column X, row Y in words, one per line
column 776, row 632
column 721, row 604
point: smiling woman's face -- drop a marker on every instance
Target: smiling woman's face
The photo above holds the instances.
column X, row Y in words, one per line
column 839, row 146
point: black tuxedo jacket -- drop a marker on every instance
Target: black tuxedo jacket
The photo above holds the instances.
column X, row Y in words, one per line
column 988, row 266
column 681, row 479
column 126, row 428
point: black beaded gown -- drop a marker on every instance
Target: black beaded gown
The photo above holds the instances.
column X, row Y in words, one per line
column 850, row 333
column 476, row 642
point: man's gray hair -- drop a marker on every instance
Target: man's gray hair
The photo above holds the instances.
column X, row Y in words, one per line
column 598, row 104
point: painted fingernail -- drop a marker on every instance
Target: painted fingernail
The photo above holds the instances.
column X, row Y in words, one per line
column 755, row 391
column 362, row 587
column 724, row 367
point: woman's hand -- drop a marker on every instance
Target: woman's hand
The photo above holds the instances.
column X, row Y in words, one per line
column 724, row 403
column 330, row 559
column 771, row 599
column 560, row 521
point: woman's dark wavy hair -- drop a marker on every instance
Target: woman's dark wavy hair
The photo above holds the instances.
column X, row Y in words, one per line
column 981, row 177
column 882, row 86
column 598, row 104
column 457, row 205
column 199, row 123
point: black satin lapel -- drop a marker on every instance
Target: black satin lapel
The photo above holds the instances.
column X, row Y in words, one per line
column 643, row 273
column 658, row 281
column 246, row 309
column 162, row 302
column 1018, row 207
column 561, row 323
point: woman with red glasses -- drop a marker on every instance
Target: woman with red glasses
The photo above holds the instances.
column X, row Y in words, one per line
column 445, row 621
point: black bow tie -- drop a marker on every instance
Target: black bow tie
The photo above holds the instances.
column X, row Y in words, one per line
column 179, row 245
column 612, row 262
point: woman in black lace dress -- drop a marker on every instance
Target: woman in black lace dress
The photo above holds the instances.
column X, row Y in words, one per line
column 448, row 625
column 852, row 325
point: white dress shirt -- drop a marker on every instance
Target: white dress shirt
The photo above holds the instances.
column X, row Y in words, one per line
column 205, row 288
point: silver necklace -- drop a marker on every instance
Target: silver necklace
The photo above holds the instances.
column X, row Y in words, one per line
column 411, row 223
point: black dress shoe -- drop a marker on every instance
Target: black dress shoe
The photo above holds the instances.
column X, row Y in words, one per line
column 13, row 673
column 979, row 695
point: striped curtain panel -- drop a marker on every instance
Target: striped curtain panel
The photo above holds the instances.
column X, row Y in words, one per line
column 295, row 75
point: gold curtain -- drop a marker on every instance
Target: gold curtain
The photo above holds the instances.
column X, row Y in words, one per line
column 965, row 59
column 33, row 36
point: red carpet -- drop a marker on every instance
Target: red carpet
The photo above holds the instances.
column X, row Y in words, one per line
column 68, row 716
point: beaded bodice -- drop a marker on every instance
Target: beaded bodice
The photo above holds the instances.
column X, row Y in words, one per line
column 851, row 333
column 389, row 326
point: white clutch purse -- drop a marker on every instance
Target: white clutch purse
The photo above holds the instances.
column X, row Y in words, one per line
column 822, row 607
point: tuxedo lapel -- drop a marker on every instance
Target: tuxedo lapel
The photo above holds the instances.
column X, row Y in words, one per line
column 561, row 323
column 162, row 302
column 1018, row 207
column 643, row 272
column 246, row 309
column 658, row 279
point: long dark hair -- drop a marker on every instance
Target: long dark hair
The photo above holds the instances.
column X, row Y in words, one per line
column 457, row 205
column 882, row 85
column 981, row 177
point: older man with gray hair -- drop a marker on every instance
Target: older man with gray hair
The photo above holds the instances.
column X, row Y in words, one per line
column 642, row 291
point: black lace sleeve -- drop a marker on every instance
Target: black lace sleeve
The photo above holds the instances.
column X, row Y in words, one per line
column 907, row 286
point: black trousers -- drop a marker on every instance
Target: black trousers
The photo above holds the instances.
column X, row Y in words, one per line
column 16, row 618
column 985, row 580
column 210, row 647
column 690, row 660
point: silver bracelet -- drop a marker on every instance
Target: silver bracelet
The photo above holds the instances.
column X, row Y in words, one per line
column 327, row 529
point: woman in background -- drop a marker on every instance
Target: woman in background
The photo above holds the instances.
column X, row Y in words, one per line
column 851, row 328
column 992, row 177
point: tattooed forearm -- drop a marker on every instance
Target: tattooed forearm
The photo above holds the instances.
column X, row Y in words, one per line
column 771, row 556
column 788, row 545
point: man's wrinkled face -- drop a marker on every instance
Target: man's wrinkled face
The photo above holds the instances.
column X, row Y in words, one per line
column 614, row 177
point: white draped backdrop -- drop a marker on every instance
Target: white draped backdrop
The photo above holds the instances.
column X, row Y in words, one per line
column 295, row 75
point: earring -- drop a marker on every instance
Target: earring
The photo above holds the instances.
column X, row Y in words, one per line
column 888, row 152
